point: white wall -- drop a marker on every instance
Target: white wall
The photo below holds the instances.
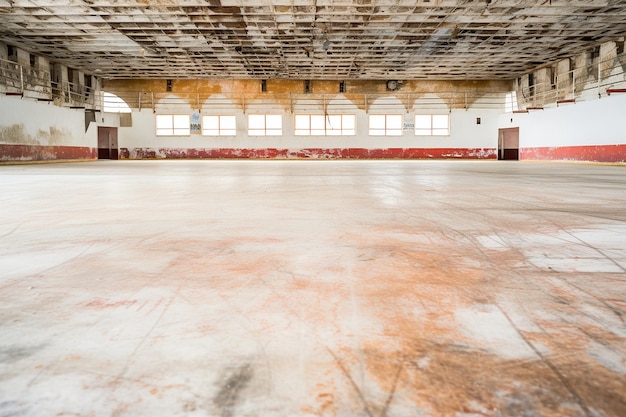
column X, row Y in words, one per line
column 29, row 122
column 464, row 132
column 594, row 122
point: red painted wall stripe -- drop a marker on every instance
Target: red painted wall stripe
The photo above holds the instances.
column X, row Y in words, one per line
column 596, row 153
column 311, row 153
column 10, row 153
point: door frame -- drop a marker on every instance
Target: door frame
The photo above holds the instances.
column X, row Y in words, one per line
column 108, row 135
column 509, row 154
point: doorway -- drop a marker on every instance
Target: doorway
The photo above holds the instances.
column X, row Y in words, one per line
column 508, row 144
column 107, row 143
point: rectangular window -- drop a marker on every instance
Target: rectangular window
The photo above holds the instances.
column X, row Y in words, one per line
column 219, row 125
column 386, row 124
column 172, row 125
column 325, row 125
column 432, row 125
column 510, row 104
column 265, row 125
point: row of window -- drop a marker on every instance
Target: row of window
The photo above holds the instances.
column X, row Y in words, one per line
column 305, row 125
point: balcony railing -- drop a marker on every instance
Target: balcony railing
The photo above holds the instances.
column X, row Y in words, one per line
column 16, row 79
column 580, row 84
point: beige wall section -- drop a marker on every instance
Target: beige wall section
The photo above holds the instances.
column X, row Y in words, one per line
column 212, row 86
column 140, row 94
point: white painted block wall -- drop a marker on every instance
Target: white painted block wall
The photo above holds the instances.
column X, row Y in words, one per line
column 465, row 133
column 585, row 123
column 29, row 122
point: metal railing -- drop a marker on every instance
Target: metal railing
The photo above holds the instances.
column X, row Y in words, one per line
column 589, row 82
column 28, row 82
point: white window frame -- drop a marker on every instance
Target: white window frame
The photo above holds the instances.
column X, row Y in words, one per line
column 432, row 125
column 324, row 124
column 388, row 122
column 219, row 130
column 178, row 125
column 267, row 125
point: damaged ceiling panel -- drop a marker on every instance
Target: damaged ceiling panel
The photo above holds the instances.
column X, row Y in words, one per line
column 310, row 39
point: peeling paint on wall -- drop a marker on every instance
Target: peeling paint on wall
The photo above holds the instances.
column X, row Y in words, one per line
column 315, row 153
column 597, row 153
column 17, row 153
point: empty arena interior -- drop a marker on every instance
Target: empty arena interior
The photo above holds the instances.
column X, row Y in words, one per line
column 375, row 208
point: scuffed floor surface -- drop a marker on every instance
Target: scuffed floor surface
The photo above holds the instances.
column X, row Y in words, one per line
column 313, row 288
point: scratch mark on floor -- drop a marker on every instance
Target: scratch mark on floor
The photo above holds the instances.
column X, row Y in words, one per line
column 358, row 390
column 550, row 365
column 383, row 413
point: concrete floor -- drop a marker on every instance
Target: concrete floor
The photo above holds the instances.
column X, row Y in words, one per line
column 313, row 288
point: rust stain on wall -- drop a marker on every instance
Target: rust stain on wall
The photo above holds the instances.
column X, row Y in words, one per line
column 456, row 94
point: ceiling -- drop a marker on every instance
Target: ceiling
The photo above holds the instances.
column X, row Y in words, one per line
column 310, row 39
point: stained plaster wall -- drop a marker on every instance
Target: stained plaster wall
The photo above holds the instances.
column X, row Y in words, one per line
column 584, row 131
column 32, row 130
column 467, row 139
column 243, row 97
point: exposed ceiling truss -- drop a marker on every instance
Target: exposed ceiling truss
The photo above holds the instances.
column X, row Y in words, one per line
column 310, row 39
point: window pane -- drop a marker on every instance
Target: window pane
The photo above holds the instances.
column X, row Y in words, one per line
column 302, row 122
column 348, row 132
column 377, row 121
column 394, row 121
column 210, row 132
column 440, row 121
column 274, row 121
column 317, row 121
column 377, row 132
column 163, row 132
column 181, row 132
column 228, row 122
column 181, row 121
column 274, row 132
column 318, row 132
column 348, row 121
column 228, row 132
column 422, row 132
column 210, row 122
column 394, row 132
column 256, row 121
column 302, row 132
column 333, row 122
column 422, row 121
column 164, row 121
column 256, row 132
column 441, row 132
